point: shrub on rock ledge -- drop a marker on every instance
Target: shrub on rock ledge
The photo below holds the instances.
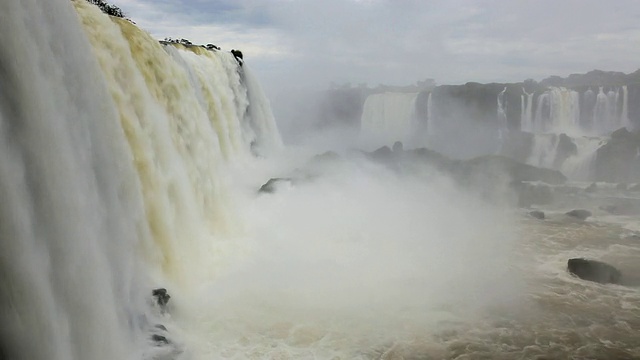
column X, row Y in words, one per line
column 108, row 8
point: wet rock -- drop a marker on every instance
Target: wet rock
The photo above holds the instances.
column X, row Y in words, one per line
column 161, row 327
column 162, row 297
column 273, row 183
column 621, row 209
column 159, row 339
column 382, row 153
column 564, row 149
column 532, row 194
column 397, row 147
column 579, row 214
column 617, row 159
column 537, row 214
column 516, row 170
column 593, row 270
column 518, row 145
column 591, row 188
column 238, row 55
column 326, row 156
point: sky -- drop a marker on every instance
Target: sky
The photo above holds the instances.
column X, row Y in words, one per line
column 312, row 43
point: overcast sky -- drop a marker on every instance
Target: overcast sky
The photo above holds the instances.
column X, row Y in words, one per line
column 309, row 43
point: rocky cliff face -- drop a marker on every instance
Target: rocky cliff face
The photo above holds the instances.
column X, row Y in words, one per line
column 618, row 160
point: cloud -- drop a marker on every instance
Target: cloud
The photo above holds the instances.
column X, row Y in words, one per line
column 312, row 43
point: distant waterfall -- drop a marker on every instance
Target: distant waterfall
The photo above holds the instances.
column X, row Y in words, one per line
column 432, row 127
column 388, row 117
column 565, row 111
column 560, row 110
column 501, row 112
column 579, row 167
column 526, row 114
column 624, row 117
column 544, row 150
column 542, row 117
column 502, row 120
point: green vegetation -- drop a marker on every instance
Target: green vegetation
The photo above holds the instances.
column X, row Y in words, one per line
column 108, row 8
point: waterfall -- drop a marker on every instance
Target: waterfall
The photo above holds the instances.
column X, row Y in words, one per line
column 501, row 112
column 544, row 150
column 565, row 111
column 112, row 150
column 600, row 112
column 388, row 117
column 502, row 120
column 71, row 209
column 542, row 114
column 624, row 117
column 579, row 167
column 526, row 114
column 431, row 125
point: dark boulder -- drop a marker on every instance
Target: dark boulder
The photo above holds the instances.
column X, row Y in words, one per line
column 532, row 194
column 272, row 185
column 591, row 188
column 161, row 296
column 517, row 145
column 238, row 55
column 433, row 158
column 382, row 153
column 516, row 170
column 537, row 214
column 397, row 147
column 617, row 159
column 623, row 207
column 564, row 149
column 621, row 186
column 579, row 214
column 593, row 270
column 159, row 339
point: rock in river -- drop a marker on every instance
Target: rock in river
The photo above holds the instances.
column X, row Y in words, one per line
column 593, row 270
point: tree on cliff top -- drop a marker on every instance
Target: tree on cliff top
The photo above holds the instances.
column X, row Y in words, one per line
column 108, row 8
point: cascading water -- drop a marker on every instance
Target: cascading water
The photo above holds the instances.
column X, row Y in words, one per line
column 526, row 115
column 559, row 110
column 624, row 117
column 502, row 115
column 600, row 112
column 565, row 111
column 579, row 166
column 432, row 127
column 72, row 213
column 115, row 157
column 542, row 116
column 544, row 150
column 502, row 120
column 112, row 146
column 388, row 117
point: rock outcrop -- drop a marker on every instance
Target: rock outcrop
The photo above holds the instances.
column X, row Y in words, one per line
column 579, row 214
column 272, row 185
column 162, row 297
column 537, row 214
column 618, row 160
column 593, row 270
